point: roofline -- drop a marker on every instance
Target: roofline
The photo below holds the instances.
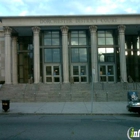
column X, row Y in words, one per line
column 53, row 16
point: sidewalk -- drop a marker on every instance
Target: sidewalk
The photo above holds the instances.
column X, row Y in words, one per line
column 67, row 108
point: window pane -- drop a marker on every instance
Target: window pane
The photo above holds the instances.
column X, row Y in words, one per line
column 74, row 34
column 76, row 79
column 56, row 79
column 47, row 34
column 83, row 55
column 56, row 55
column 101, row 34
column 48, row 79
column 47, row 41
column 101, row 41
column 109, row 34
column 82, row 41
column 48, row 55
column 74, row 41
column 74, row 55
column 109, row 41
column 82, row 34
column 48, row 70
column 83, row 79
column 109, row 50
column 55, row 41
column 56, row 70
column 83, row 70
column 75, row 70
column 110, row 70
column 55, row 34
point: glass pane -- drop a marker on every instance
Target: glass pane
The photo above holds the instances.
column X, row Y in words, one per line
column 55, row 34
column 56, row 55
column 47, row 34
column 48, row 70
column 83, row 70
column 83, row 55
column 56, row 79
column 82, row 34
column 48, row 55
column 109, row 50
column 101, row 41
column 101, row 34
column 82, row 41
column 109, row 34
column 74, row 55
column 110, row 70
column 76, row 79
column 74, row 41
column 109, row 41
column 75, row 70
column 83, row 79
column 47, row 41
column 103, row 78
column 56, row 70
column 101, row 56
column 111, row 78
column 55, row 41
column 48, row 79
column 74, row 34
column 102, row 70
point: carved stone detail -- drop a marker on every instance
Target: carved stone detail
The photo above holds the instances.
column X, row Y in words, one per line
column 64, row 29
column 7, row 30
column 93, row 28
column 121, row 28
column 36, row 30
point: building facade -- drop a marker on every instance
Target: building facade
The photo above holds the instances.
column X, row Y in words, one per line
column 64, row 49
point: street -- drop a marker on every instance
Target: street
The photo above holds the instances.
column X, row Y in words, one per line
column 67, row 127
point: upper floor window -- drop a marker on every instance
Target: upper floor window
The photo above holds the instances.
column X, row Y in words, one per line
column 105, row 37
column 78, row 38
column 51, row 38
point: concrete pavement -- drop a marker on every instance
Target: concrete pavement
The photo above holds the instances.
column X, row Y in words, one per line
column 67, row 108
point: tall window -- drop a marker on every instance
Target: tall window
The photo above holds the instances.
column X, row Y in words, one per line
column 79, row 55
column 78, row 38
column 51, row 38
column 105, row 37
column 52, row 55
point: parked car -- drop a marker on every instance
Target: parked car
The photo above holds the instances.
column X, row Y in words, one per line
column 133, row 102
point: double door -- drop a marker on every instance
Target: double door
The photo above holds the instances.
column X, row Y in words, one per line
column 107, row 73
column 79, row 73
column 52, row 74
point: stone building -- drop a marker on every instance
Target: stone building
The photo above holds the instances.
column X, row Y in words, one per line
column 64, row 49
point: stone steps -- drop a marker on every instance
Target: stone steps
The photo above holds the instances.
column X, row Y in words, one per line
column 65, row 92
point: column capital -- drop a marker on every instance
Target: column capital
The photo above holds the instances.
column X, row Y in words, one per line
column 121, row 28
column 64, row 29
column 36, row 30
column 93, row 28
column 7, row 30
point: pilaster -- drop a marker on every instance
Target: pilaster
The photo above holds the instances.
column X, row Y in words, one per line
column 64, row 30
column 123, row 72
column 36, row 31
column 94, row 52
column 7, row 32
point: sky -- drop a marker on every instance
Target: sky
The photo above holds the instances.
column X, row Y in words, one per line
column 68, row 7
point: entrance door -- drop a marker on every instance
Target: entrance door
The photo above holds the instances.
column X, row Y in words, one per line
column 79, row 73
column 52, row 74
column 107, row 73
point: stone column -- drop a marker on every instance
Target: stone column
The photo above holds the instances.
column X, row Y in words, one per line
column 7, row 31
column 64, row 30
column 14, row 60
column 123, row 72
column 94, row 52
column 36, row 31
